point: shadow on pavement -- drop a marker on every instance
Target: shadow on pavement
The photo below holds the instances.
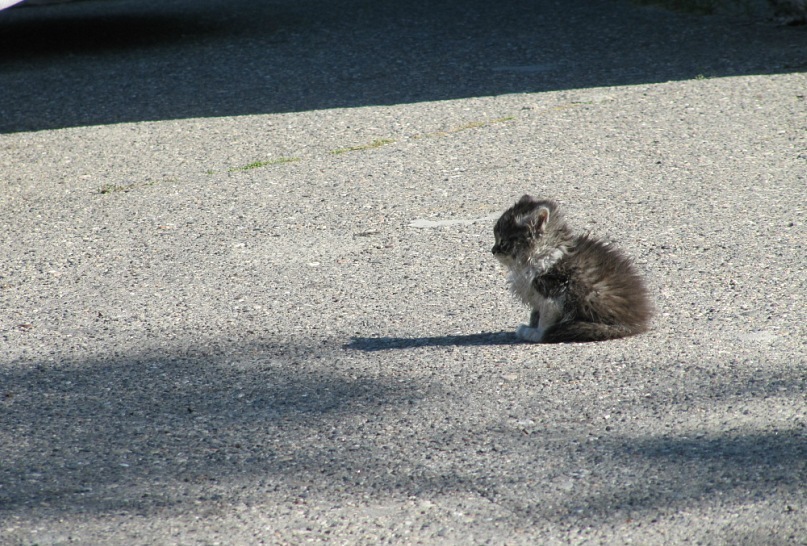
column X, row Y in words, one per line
column 147, row 433
column 135, row 431
column 113, row 61
column 389, row 343
column 673, row 470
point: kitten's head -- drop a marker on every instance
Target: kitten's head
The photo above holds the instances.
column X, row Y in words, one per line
column 523, row 228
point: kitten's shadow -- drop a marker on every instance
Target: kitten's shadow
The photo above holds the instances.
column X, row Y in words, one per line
column 389, row 343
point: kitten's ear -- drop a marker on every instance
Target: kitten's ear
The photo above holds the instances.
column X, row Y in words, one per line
column 526, row 198
column 538, row 219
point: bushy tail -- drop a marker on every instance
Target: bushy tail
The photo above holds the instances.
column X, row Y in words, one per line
column 577, row 331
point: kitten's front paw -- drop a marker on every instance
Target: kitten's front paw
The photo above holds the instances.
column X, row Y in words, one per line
column 526, row 333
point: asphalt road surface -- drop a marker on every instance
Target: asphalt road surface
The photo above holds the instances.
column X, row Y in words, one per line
column 247, row 296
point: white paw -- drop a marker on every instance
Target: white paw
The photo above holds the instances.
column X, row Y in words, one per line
column 530, row 334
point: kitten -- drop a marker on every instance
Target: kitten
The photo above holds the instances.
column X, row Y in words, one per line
column 579, row 288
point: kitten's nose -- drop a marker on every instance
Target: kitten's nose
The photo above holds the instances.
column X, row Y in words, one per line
column 495, row 249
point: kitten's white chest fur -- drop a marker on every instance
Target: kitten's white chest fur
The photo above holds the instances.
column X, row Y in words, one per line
column 520, row 280
column 549, row 309
column 523, row 273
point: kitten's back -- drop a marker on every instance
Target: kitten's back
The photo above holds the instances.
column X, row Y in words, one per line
column 606, row 297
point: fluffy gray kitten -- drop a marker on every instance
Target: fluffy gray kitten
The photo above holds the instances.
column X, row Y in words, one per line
column 579, row 288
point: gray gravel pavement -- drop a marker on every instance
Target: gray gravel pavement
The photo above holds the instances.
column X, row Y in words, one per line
column 247, row 296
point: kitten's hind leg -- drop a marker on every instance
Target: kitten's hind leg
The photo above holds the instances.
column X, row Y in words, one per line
column 577, row 331
column 535, row 318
